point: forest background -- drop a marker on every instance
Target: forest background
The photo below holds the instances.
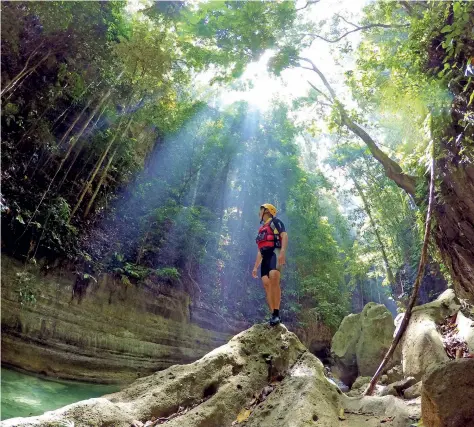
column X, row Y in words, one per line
column 125, row 148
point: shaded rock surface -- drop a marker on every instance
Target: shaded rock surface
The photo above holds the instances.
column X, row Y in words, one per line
column 361, row 381
column 447, row 397
column 315, row 335
column 422, row 346
column 110, row 333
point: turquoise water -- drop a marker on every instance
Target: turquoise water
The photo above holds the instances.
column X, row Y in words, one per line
column 24, row 395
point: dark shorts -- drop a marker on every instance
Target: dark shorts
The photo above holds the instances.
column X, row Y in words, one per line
column 269, row 262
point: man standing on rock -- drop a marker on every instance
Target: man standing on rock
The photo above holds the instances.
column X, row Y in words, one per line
column 272, row 241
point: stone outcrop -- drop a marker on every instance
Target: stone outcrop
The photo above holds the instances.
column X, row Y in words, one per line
column 447, row 395
column 361, row 342
column 422, row 346
column 221, row 389
column 226, row 379
column 110, row 333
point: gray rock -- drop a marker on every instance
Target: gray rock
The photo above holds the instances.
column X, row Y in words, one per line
column 377, row 329
column 447, row 394
column 394, row 374
column 413, row 392
column 361, row 381
column 396, row 388
column 226, row 378
column 343, row 348
column 466, row 330
column 402, row 413
column 361, row 342
column 422, row 346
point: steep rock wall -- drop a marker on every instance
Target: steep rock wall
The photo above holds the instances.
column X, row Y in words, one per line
column 112, row 333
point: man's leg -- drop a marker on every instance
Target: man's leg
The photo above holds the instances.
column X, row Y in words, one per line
column 275, row 290
column 267, row 285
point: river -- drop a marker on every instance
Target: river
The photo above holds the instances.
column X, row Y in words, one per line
column 26, row 395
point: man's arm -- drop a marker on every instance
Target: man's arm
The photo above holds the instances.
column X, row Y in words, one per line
column 284, row 245
column 258, row 261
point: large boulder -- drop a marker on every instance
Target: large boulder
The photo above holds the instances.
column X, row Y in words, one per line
column 344, row 348
column 218, row 388
column 447, row 396
column 361, row 342
column 377, row 329
column 422, row 346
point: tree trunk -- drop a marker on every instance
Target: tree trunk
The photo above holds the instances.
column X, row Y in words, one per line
column 25, row 70
column 66, row 134
column 101, row 181
column 14, row 86
column 454, row 203
column 454, row 217
column 388, row 270
column 78, row 152
column 392, row 168
column 98, row 165
column 72, row 142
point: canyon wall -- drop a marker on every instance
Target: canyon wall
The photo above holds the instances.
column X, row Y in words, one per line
column 112, row 332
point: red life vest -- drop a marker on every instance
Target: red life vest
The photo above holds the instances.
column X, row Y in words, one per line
column 267, row 238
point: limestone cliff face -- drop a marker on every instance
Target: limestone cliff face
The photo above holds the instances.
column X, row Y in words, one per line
column 112, row 333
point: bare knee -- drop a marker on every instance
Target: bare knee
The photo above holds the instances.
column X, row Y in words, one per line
column 266, row 282
column 274, row 275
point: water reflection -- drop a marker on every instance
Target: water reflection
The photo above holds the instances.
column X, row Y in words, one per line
column 25, row 395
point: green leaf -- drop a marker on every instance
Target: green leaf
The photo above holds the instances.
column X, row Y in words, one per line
column 471, row 98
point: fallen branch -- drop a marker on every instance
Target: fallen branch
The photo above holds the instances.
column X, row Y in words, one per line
column 416, row 287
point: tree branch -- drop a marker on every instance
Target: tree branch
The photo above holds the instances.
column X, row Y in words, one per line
column 364, row 27
column 321, row 76
column 307, row 4
column 319, row 91
column 346, row 21
column 416, row 287
column 392, row 168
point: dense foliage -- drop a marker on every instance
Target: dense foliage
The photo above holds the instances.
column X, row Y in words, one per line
column 114, row 159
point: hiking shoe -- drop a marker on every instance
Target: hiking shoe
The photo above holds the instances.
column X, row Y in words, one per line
column 275, row 320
